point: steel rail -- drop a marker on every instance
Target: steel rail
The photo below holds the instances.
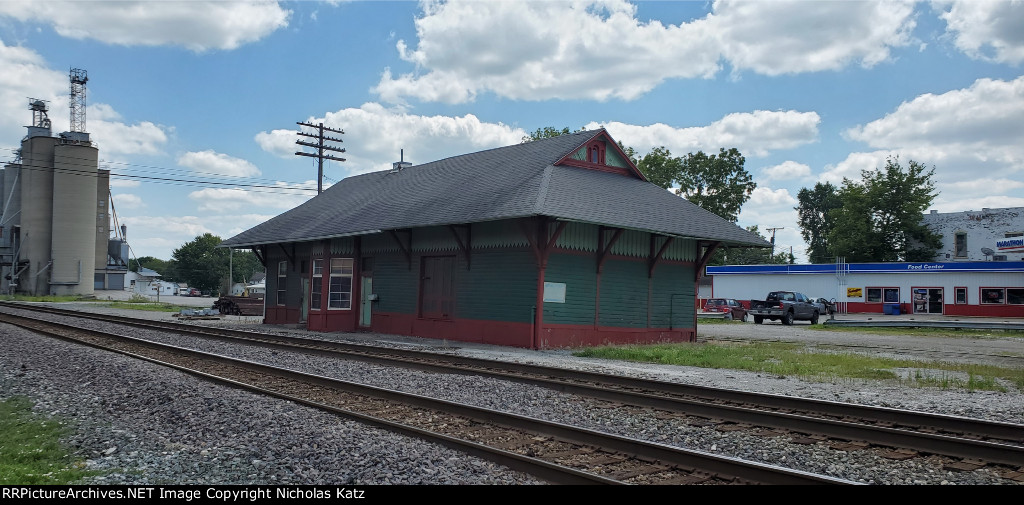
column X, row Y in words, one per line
column 891, row 427
column 697, row 461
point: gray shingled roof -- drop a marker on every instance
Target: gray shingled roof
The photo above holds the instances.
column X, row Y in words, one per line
column 503, row 183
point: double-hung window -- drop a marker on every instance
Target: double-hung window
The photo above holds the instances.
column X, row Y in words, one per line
column 317, row 286
column 282, row 281
column 340, row 295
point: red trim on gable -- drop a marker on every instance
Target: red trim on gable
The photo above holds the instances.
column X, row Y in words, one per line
column 600, row 168
column 632, row 170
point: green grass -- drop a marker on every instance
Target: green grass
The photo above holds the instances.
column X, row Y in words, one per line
column 791, row 359
column 923, row 332
column 48, row 298
column 150, row 306
column 30, row 448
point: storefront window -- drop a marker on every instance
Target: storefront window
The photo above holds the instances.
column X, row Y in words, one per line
column 1015, row 296
column 992, row 295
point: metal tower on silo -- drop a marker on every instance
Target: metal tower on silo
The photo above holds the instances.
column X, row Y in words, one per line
column 76, row 210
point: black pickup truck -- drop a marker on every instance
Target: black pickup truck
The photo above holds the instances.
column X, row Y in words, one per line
column 788, row 306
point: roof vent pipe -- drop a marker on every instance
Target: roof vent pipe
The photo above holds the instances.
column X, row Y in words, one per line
column 398, row 166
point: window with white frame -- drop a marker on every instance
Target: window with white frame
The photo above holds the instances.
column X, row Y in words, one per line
column 317, row 288
column 961, row 296
column 340, row 295
column 282, row 281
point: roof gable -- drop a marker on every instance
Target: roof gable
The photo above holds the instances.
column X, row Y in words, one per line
column 602, row 153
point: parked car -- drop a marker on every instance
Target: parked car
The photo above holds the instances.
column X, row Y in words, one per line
column 733, row 309
column 194, row 292
column 788, row 306
column 824, row 306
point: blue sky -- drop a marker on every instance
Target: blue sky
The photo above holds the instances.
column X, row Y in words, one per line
column 209, row 92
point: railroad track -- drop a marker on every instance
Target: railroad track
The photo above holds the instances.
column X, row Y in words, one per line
column 557, row 452
column 898, row 434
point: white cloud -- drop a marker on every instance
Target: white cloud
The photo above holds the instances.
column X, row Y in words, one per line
column 127, row 201
column 786, row 170
column 962, row 131
column 788, row 37
column 752, row 133
column 211, row 162
column 599, row 50
column 25, row 74
column 196, row 25
column 986, row 30
column 233, row 199
column 115, row 138
column 775, row 208
column 123, row 183
column 423, row 138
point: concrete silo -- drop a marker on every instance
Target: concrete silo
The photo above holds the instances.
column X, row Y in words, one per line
column 73, row 246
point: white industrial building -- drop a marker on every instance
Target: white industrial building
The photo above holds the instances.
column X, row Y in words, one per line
column 54, row 226
column 985, row 235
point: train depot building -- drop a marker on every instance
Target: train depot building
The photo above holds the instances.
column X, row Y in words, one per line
column 961, row 288
column 552, row 243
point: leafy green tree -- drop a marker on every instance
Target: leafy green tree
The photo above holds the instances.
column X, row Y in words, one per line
column 660, row 168
column 547, row 132
column 816, row 219
column 880, row 217
column 717, row 183
column 201, row 263
column 206, row 267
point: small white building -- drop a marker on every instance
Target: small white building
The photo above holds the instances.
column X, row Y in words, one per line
column 147, row 282
column 985, row 235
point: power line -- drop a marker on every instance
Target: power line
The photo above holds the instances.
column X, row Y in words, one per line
column 244, row 181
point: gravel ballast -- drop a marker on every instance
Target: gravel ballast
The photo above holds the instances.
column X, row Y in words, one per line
column 143, row 423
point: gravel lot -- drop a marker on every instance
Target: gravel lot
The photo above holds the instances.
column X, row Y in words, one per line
column 149, row 425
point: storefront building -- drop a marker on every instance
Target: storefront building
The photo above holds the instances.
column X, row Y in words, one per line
column 978, row 288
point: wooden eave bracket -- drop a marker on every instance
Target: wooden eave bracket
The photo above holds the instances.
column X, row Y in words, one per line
column 261, row 254
column 468, row 245
column 539, row 240
column 407, row 251
column 655, row 258
column 290, row 256
column 602, row 253
column 711, row 247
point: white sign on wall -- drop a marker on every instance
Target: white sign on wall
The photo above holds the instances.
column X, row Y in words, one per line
column 554, row 292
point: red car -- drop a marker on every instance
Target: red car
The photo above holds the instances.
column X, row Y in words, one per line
column 732, row 308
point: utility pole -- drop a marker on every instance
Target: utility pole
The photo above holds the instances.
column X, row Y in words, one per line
column 320, row 148
column 773, row 241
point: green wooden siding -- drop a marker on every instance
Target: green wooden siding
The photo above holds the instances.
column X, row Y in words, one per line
column 500, row 286
column 672, row 279
column 344, row 246
column 578, row 237
column 579, row 274
column 395, row 283
column 611, row 157
column 624, row 294
column 498, row 234
column 434, row 238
